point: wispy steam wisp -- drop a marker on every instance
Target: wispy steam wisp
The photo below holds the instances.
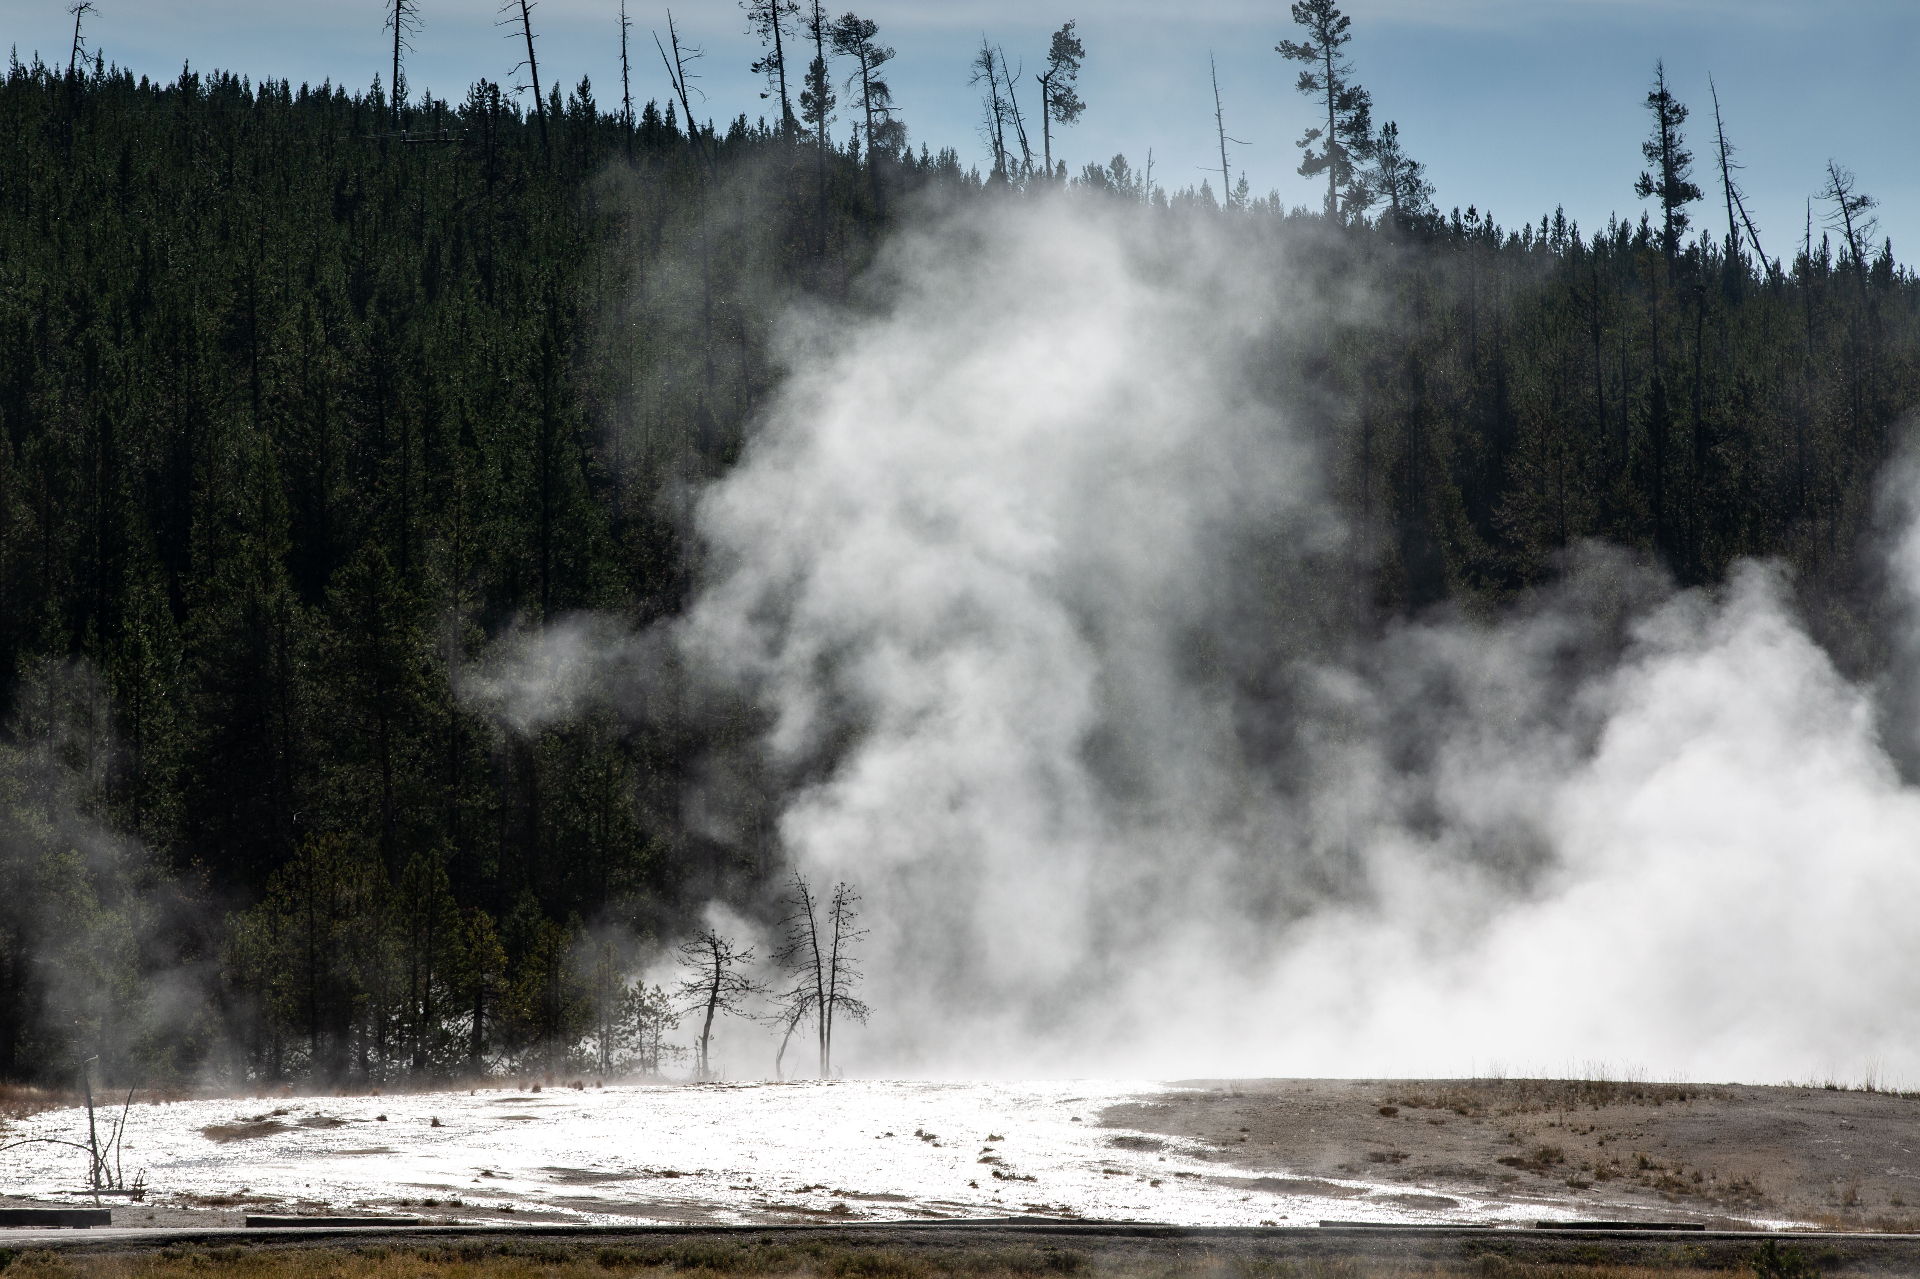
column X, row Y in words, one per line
column 1033, row 570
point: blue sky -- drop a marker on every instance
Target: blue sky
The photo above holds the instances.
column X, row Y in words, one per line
column 1516, row 105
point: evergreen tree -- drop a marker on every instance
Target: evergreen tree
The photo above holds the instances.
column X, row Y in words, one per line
column 1398, row 177
column 853, row 37
column 1671, row 178
column 1059, row 95
column 1346, row 140
column 817, row 102
column 768, row 19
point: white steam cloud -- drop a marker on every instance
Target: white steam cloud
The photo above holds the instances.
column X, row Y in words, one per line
column 1034, row 579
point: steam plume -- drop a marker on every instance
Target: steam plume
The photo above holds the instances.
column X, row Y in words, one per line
column 1033, row 570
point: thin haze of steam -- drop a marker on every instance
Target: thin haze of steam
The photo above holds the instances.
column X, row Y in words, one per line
column 533, row 679
column 1028, row 567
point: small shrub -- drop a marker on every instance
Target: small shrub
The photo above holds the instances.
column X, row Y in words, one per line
column 1771, row 1261
column 1541, row 1159
column 875, row 1265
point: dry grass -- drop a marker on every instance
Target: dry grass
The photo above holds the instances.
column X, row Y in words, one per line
column 1480, row 1098
column 1881, row 1223
column 242, row 1131
column 755, row 1260
column 17, row 1101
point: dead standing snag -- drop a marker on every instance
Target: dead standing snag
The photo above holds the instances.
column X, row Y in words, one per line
column 520, row 13
column 713, row 983
column 819, row 952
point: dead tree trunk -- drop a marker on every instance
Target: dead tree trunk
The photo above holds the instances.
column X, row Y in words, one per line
column 78, row 11
column 841, row 976
column 93, row 1135
column 406, row 16
column 1220, row 127
column 626, row 85
column 525, row 10
column 1019, row 121
column 677, row 71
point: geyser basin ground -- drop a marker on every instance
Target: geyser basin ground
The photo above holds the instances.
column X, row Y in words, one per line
column 1282, row 1152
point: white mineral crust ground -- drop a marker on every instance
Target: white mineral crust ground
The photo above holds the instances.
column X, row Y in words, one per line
column 725, row 1153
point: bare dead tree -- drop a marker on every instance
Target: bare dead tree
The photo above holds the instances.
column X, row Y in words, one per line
column 683, row 87
column 116, row 1144
column 800, row 953
column 1220, row 126
column 1013, row 113
column 79, row 10
column 677, row 72
column 1851, row 216
column 713, row 984
column 93, row 1135
column 818, row 950
column 403, row 18
column 104, row 1172
column 842, row 976
column 1732, row 188
column 626, row 84
column 101, row 1179
column 795, row 1006
column 987, row 70
column 520, row 13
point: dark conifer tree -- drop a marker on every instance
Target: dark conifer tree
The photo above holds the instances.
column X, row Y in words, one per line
column 853, row 37
column 817, row 103
column 1346, row 140
column 768, row 19
column 1671, row 178
column 1059, row 96
column 1399, row 178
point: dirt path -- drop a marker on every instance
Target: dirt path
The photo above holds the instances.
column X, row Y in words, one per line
column 1723, row 1154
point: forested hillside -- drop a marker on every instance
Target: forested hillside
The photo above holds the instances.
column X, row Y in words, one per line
column 310, row 404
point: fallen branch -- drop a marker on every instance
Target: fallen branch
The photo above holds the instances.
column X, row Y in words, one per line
column 51, row 1141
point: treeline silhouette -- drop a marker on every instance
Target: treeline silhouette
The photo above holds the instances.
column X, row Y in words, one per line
column 312, row 402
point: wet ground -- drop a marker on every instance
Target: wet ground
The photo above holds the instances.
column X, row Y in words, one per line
column 741, row 1154
column 1725, row 1155
column 1205, row 1153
